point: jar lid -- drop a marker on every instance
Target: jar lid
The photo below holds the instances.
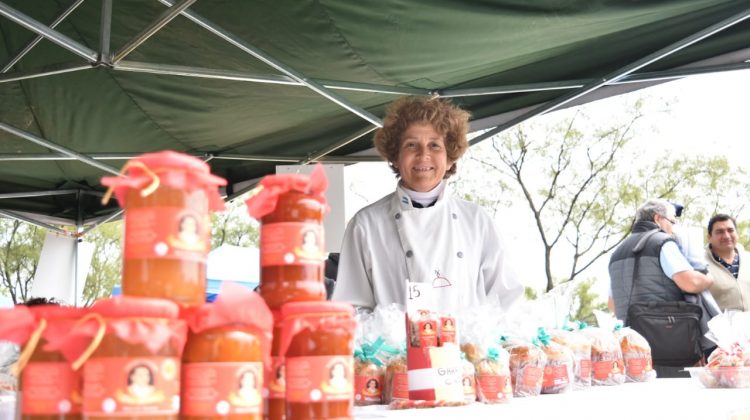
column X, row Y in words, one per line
column 264, row 197
column 313, row 308
column 176, row 170
column 129, row 307
column 57, row 312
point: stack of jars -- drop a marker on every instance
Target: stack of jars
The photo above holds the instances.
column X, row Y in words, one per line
column 312, row 365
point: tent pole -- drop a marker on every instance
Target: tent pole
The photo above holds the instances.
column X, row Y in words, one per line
column 105, row 32
column 54, row 36
column 36, row 40
column 174, row 70
column 50, row 70
column 14, row 215
column 577, row 84
column 37, row 194
column 618, row 74
column 334, row 147
column 21, row 157
column 12, row 157
column 151, row 29
column 244, row 46
column 100, row 221
column 64, row 150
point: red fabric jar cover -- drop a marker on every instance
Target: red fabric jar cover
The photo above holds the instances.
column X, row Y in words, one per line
column 176, row 170
column 236, row 304
column 325, row 316
column 264, row 197
column 150, row 322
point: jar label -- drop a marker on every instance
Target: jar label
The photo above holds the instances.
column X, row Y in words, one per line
column 319, row 378
column 167, row 232
column 149, row 385
column 210, row 389
column 368, row 389
column 606, row 369
column 50, row 388
column 636, row 366
column 494, row 387
column 275, row 379
column 291, row 243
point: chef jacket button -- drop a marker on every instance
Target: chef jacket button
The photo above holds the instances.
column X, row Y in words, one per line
column 460, row 254
column 398, row 216
column 409, row 254
column 454, row 216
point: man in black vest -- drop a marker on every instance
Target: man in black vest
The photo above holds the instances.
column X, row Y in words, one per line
column 664, row 274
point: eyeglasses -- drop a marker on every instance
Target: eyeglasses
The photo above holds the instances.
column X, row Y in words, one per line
column 671, row 221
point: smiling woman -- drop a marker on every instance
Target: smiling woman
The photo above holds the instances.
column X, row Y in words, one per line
column 420, row 232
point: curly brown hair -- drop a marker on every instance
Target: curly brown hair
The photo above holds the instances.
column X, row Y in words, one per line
column 447, row 119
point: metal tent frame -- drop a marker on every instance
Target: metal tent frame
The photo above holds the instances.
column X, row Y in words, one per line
column 573, row 90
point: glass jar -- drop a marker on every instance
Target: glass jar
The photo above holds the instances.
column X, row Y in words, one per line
column 222, row 371
column 318, row 344
column 50, row 388
column 275, row 404
column 291, row 209
column 167, row 197
column 134, row 369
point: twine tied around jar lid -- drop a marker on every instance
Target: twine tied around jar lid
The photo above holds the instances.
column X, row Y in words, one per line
column 149, row 171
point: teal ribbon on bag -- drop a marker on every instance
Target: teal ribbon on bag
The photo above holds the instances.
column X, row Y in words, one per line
column 372, row 352
column 493, row 354
column 582, row 325
column 542, row 338
column 618, row 325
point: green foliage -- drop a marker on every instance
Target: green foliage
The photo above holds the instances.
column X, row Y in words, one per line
column 20, row 246
column 586, row 302
column 106, row 263
column 530, row 293
column 234, row 226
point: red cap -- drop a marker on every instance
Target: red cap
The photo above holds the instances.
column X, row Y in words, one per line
column 266, row 195
column 131, row 307
column 52, row 312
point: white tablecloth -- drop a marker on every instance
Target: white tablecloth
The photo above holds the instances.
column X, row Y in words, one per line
column 665, row 399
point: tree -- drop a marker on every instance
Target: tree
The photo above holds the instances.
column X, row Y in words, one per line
column 234, row 226
column 586, row 302
column 106, row 263
column 20, row 246
column 582, row 183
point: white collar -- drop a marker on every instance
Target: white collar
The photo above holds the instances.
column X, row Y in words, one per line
column 423, row 198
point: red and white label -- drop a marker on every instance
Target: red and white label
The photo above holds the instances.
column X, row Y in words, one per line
column 113, row 386
column 50, row 388
column 447, row 330
column 291, row 243
column 606, row 368
column 319, row 378
column 555, row 376
column 636, row 366
column 427, row 333
column 368, row 389
column 210, row 389
column 167, row 232
column 494, row 387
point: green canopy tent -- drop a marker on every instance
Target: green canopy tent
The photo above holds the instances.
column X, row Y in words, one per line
column 247, row 85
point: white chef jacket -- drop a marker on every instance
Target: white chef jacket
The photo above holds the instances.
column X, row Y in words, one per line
column 452, row 245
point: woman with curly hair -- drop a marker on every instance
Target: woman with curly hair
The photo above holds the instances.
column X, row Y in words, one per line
column 421, row 232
